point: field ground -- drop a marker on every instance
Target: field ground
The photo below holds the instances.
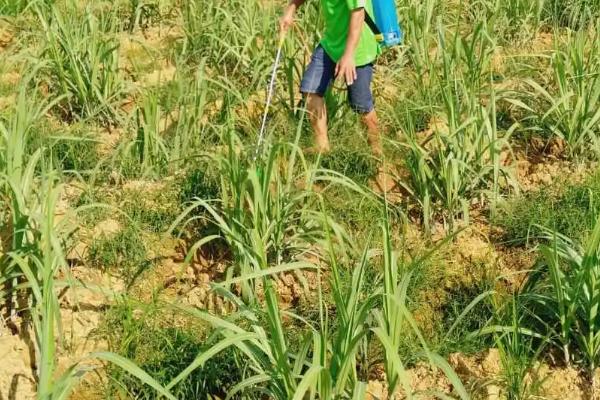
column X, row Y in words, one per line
column 146, row 253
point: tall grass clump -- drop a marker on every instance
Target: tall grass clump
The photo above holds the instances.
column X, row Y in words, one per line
column 556, row 309
column 150, row 143
column 568, row 107
column 81, row 64
column 265, row 213
column 512, row 20
column 34, row 243
column 33, row 240
column 333, row 356
column 575, row 14
column 419, row 19
column 170, row 126
column 18, row 170
column 190, row 129
column 563, row 292
column 458, row 157
column 245, row 51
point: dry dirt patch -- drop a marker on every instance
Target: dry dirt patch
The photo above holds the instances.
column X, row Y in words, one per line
column 16, row 375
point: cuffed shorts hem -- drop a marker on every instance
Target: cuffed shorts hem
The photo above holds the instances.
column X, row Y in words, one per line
column 320, row 73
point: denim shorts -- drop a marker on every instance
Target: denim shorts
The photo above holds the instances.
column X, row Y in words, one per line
column 320, row 74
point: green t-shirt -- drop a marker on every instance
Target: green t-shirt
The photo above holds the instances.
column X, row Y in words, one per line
column 337, row 22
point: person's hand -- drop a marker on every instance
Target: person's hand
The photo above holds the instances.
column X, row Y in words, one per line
column 346, row 69
column 286, row 21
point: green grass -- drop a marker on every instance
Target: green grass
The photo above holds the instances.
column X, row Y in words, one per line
column 152, row 211
column 462, row 338
column 74, row 153
column 153, row 340
column 357, row 165
column 202, row 182
column 374, row 296
column 567, row 106
column 575, row 14
column 14, row 7
column 123, row 253
column 356, row 213
column 80, row 64
column 570, row 209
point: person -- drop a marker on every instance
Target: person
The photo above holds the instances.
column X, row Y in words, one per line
column 347, row 51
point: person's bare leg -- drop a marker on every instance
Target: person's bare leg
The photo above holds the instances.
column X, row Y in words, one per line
column 317, row 113
column 371, row 123
column 373, row 134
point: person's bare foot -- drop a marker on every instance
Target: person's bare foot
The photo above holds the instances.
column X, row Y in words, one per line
column 315, row 150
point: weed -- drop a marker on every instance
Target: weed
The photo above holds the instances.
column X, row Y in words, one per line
column 124, row 253
column 163, row 351
column 518, row 351
column 564, row 288
column 203, row 182
column 74, row 154
column 571, row 112
column 153, row 211
column 570, row 209
column 356, row 165
column 81, row 63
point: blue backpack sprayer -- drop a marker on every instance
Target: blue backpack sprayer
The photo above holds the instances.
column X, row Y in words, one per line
column 384, row 25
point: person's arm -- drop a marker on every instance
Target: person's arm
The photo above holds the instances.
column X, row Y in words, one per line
column 346, row 67
column 287, row 20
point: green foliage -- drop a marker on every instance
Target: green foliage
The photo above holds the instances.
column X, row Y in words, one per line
column 571, row 210
column 459, row 157
column 569, row 107
column 150, row 144
column 514, row 19
column 202, row 182
column 169, row 125
column 557, row 306
column 519, row 350
column 355, row 164
column 262, row 213
column 143, row 13
column 163, row 351
column 355, row 213
column 462, row 338
column 81, row 64
column 74, row 154
column 244, row 51
column 564, row 289
column 15, row 7
column 12, row 7
column 152, row 210
column 574, row 14
column 326, row 364
column 34, row 256
column 124, row 252
column 450, row 123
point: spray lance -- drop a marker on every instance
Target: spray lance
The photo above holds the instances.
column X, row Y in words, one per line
column 270, row 92
column 384, row 25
